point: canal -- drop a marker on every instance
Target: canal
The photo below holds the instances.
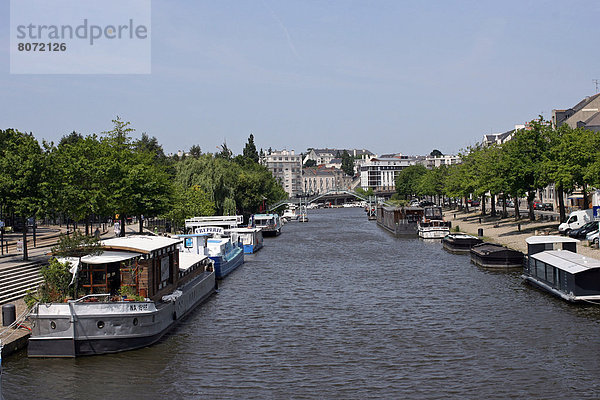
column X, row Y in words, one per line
column 339, row 309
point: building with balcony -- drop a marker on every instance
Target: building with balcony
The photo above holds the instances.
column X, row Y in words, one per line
column 379, row 173
column 286, row 167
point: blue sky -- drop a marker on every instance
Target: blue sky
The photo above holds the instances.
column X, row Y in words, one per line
column 389, row 76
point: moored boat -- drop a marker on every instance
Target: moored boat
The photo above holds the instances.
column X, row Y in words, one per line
column 460, row 243
column 401, row 221
column 251, row 238
column 269, row 223
column 433, row 225
column 225, row 250
column 554, row 265
column 165, row 288
column 495, row 256
column 290, row 214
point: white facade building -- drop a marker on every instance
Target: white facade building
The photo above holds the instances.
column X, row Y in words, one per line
column 286, row 167
column 380, row 173
column 431, row 162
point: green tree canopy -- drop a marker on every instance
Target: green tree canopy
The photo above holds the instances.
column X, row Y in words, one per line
column 347, row 163
column 407, row 180
column 250, row 150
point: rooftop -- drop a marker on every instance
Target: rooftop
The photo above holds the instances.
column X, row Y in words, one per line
column 139, row 243
column 567, row 260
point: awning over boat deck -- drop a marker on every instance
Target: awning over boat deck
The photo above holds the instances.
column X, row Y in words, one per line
column 188, row 260
column 568, row 261
column 106, row 257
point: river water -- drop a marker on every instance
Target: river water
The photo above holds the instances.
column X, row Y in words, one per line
column 337, row 308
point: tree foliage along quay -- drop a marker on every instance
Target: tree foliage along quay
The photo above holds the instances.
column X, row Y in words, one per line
column 95, row 177
column 535, row 157
column 23, row 177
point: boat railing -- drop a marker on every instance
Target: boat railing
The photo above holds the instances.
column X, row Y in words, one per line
column 89, row 296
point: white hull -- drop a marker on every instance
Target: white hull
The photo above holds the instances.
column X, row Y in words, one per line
column 433, row 232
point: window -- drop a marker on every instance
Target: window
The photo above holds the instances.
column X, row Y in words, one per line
column 550, row 274
column 540, row 269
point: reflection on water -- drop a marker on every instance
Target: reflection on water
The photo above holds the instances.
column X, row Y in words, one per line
column 338, row 308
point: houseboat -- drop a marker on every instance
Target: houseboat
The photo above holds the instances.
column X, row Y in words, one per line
column 554, row 265
column 269, row 223
column 164, row 284
column 460, row 243
column 401, row 221
column 251, row 238
column 226, row 250
column 495, row 256
column 432, row 225
column 207, row 235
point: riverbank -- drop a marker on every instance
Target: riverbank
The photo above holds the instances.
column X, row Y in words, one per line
column 14, row 339
column 507, row 231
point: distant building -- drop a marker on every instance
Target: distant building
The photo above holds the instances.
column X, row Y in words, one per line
column 286, row 167
column 325, row 156
column 501, row 138
column 321, row 179
column 379, row 173
column 431, row 162
column 585, row 114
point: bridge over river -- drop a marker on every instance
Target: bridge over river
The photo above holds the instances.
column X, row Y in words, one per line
column 335, row 197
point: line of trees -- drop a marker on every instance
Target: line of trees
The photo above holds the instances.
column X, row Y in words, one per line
column 534, row 158
column 95, row 177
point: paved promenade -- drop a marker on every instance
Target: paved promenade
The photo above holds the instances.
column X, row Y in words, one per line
column 506, row 231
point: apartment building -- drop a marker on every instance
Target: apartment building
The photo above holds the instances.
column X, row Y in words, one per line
column 286, row 167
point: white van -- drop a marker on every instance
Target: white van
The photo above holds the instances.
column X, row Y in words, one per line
column 576, row 220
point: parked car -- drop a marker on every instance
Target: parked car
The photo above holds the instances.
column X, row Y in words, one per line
column 473, row 203
column 576, row 220
column 581, row 233
column 538, row 205
column 592, row 238
column 510, row 203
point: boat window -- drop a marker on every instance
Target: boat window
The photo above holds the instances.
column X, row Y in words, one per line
column 99, row 278
column 550, row 274
column 531, row 265
column 540, row 269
